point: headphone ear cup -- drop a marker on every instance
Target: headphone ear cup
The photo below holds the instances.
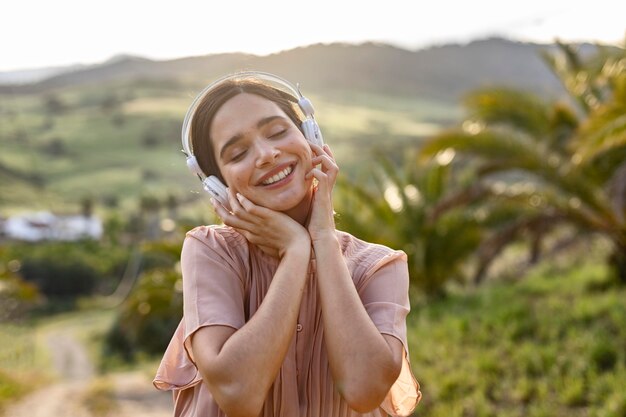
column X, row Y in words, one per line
column 218, row 190
column 306, row 106
column 192, row 164
column 312, row 132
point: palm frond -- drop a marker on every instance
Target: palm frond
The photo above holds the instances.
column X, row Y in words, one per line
column 508, row 151
column 519, row 109
column 489, row 144
column 604, row 131
column 617, row 191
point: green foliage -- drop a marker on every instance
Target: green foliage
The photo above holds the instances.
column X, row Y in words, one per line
column 542, row 346
column 60, row 278
column 400, row 208
column 17, row 297
column 62, row 270
column 10, row 389
column 99, row 398
column 148, row 317
column 570, row 156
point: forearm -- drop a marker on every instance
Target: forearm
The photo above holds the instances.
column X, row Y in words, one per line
column 361, row 361
column 247, row 364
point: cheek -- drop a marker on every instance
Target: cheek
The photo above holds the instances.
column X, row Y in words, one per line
column 308, row 156
column 237, row 180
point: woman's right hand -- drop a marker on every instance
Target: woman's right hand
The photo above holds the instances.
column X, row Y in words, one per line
column 272, row 231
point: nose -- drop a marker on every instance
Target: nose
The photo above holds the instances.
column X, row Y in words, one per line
column 266, row 153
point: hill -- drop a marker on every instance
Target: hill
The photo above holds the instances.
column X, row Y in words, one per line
column 440, row 72
column 117, row 124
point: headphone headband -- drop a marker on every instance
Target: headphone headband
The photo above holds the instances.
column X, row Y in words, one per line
column 309, row 126
column 303, row 102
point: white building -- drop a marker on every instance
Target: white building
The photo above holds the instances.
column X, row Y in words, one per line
column 35, row 227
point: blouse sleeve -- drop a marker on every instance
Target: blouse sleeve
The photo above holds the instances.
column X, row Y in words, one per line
column 385, row 295
column 213, row 284
column 213, row 294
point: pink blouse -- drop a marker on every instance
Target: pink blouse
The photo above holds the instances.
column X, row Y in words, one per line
column 224, row 282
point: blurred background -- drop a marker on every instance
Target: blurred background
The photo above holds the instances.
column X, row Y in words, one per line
column 487, row 140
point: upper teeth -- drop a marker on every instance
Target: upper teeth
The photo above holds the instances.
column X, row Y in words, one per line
column 282, row 174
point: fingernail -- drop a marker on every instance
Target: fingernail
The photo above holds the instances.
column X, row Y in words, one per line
column 240, row 198
column 212, row 200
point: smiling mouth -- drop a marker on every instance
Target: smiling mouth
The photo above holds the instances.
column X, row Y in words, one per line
column 277, row 177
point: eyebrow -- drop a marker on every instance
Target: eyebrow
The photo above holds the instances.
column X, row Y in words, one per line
column 235, row 138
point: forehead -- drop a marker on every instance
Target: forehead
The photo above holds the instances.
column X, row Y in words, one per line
column 240, row 114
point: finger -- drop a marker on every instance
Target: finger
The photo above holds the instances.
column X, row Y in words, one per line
column 238, row 209
column 318, row 174
column 236, row 216
column 317, row 150
column 322, row 150
column 219, row 209
column 325, row 160
column 325, row 181
column 234, row 202
column 251, row 208
column 328, row 151
column 248, row 205
column 328, row 165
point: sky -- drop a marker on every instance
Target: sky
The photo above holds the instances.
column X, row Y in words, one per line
column 43, row 33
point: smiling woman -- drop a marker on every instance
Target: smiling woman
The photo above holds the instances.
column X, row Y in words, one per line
column 283, row 314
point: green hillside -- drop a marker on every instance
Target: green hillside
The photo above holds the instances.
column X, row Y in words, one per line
column 550, row 344
column 122, row 141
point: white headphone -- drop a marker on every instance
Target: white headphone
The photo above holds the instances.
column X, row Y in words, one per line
column 309, row 126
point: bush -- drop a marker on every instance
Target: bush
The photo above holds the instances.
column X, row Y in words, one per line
column 10, row 389
column 60, row 278
column 148, row 317
column 66, row 270
column 16, row 297
column 604, row 356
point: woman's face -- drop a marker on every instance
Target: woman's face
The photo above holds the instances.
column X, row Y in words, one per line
column 261, row 153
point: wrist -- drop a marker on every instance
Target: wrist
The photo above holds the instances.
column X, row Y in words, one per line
column 299, row 247
column 324, row 238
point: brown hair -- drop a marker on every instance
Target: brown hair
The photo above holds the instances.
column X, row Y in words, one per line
column 201, row 142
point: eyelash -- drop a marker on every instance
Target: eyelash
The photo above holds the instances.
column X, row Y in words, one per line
column 276, row 135
column 238, row 156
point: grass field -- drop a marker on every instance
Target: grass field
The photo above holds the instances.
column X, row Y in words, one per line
column 550, row 344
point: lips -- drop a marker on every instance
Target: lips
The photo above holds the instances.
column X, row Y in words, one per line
column 276, row 174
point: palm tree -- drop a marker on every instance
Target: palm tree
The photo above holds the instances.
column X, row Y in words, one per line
column 403, row 207
column 570, row 156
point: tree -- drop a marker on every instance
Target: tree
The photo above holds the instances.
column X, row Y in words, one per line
column 54, row 105
column 570, row 156
column 401, row 208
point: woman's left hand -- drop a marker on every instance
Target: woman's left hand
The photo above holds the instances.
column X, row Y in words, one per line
column 322, row 220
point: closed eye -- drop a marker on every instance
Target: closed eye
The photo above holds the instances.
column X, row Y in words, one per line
column 278, row 134
column 237, row 156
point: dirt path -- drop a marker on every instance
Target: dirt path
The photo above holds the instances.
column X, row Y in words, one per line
column 133, row 391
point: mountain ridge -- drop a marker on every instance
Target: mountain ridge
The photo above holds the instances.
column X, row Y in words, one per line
column 443, row 72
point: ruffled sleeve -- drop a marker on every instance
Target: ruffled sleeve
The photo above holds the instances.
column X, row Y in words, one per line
column 213, row 294
column 384, row 290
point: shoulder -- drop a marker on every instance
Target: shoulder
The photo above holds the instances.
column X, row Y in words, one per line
column 216, row 234
column 362, row 257
column 354, row 248
column 216, row 241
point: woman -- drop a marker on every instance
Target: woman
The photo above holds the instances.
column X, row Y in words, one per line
column 283, row 314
